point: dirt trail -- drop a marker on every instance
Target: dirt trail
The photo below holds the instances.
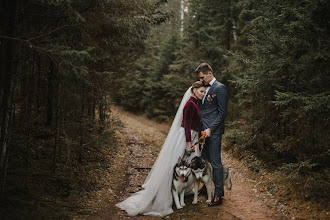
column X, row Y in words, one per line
column 140, row 143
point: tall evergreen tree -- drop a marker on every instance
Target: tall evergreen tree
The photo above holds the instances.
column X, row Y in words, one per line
column 282, row 74
column 151, row 75
column 60, row 62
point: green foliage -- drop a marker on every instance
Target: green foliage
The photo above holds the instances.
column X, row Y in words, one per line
column 271, row 79
column 207, row 30
column 280, row 74
column 67, row 61
column 55, row 2
column 159, row 88
column 78, row 57
column 308, row 176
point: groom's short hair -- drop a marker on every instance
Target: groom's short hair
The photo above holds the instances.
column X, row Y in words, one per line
column 204, row 68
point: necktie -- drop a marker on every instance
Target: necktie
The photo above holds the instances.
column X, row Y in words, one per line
column 207, row 85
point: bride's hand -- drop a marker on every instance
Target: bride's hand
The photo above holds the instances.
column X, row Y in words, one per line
column 188, row 146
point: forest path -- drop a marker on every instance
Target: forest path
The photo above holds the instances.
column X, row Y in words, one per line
column 141, row 141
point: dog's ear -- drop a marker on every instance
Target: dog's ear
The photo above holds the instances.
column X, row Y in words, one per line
column 184, row 158
column 194, row 158
column 192, row 162
column 187, row 161
column 179, row 159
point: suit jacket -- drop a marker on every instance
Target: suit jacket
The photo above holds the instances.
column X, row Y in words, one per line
column 214, row 111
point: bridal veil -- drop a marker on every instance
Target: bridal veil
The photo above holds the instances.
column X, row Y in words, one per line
column 156, row 197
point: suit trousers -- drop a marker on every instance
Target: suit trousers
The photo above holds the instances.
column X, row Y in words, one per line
column 212, row 153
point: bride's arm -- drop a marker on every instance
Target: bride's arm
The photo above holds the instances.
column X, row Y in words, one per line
column 187, row 120
column 188, row 113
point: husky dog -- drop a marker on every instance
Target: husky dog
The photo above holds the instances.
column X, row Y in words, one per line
column 203, row 172
column 182, row 181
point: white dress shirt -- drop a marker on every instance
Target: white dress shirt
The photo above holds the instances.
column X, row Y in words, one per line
column 208, row 88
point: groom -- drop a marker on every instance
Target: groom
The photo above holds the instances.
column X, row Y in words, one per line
column 213, row 109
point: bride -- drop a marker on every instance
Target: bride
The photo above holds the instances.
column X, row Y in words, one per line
column 156, row 197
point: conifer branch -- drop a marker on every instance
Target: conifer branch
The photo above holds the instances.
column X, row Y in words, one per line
column 52, row 31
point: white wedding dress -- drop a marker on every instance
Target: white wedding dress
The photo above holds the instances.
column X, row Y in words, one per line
column 156, row 197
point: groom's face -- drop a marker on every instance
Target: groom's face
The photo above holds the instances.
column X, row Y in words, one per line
column 205, row 78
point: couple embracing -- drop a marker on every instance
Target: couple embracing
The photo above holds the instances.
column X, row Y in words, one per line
column 203, row 108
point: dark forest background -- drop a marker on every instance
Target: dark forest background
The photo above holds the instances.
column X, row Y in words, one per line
column 65, row 63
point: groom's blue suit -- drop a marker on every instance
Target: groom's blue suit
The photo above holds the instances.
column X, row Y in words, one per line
column 213, row 113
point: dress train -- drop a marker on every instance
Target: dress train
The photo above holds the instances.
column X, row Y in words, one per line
column 156, row 197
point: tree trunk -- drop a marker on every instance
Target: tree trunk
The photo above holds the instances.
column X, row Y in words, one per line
column 6, row 143
column 83, row 124
column 7, row 50
column 234, row 32
column 101, row 114
column 182, row 18
column 50, row 94
column 56, row 94
column 228, row 27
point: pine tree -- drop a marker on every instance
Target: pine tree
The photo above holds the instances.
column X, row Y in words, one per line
column 61, row 61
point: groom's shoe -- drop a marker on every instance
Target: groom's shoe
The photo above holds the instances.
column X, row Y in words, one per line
column 202, row 191
column 216, row 201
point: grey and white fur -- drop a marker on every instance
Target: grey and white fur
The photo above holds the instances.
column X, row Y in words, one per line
column 182, row 181
column 203, row 173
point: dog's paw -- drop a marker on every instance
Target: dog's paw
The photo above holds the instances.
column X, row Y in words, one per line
column 183, row 204
column 194, row 202
column 208, row 201
column 179, row 207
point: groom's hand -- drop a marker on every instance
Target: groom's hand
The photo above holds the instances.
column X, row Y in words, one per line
column 208, row 132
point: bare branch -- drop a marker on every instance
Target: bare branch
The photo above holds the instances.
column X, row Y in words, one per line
column 43, row 35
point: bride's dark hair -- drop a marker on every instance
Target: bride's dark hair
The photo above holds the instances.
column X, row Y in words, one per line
column 197, row 85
